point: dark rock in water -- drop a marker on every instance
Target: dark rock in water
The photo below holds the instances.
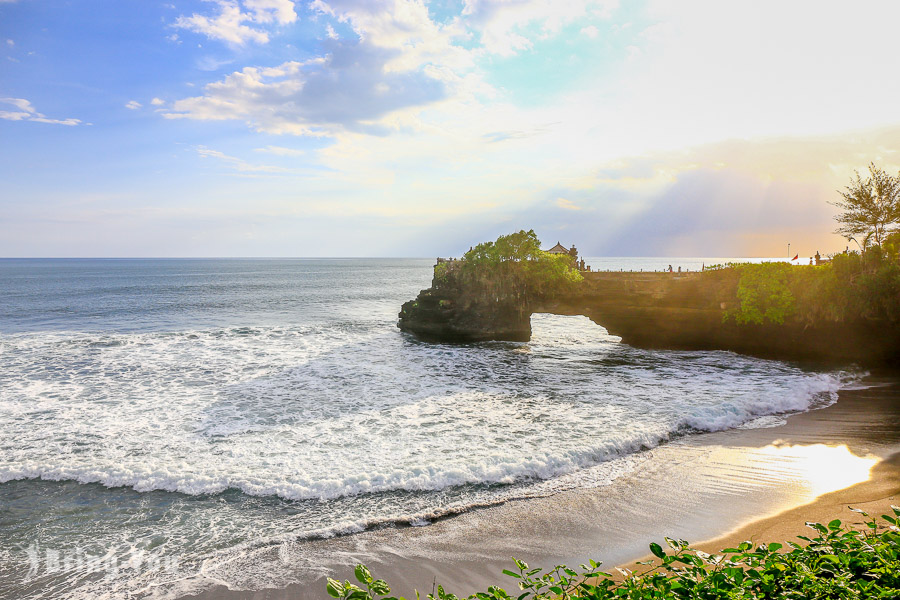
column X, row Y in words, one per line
column 454, row 314
column 650, row 310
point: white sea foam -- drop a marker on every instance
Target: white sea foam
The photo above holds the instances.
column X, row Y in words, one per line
column 315, row 415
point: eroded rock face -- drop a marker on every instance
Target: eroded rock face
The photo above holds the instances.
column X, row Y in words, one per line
column 649, row 310
column 454, row 315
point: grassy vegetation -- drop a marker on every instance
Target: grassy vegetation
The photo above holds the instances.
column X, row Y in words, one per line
column 838, row 563
column 852, row 286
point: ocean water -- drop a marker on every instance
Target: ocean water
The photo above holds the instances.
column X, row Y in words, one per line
column 161, row 419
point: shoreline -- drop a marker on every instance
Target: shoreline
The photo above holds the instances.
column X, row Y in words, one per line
column 717, row 487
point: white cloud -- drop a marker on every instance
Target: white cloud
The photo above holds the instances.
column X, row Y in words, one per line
column 507, row 27
column 211, row 63
column 330, row 32
column 402, row 61
column 567, row 204
column 238, row 164
column 268, row 11
column 348, row 90
column 281, row 151
column 230, row 23
column 590, row 31
column 402, row 25
column 133, row 105
column 26, row 112
column 157, row 102
column 10, row 43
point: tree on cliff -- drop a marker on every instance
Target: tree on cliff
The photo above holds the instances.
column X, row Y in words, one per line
column 871, row 207
column 516, row 264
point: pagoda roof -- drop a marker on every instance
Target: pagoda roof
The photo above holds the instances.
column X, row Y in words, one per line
column 558, row 249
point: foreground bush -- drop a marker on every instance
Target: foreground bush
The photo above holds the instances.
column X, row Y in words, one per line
column 838, row 563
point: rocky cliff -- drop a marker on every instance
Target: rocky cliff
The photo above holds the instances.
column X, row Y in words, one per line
column 650, row 310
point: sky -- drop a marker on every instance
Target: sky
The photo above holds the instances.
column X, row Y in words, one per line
column 420, row 128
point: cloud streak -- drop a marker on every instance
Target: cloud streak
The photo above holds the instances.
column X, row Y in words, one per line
column 24, row 111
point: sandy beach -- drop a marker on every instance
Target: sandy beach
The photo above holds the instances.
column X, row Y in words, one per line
column 713, row 490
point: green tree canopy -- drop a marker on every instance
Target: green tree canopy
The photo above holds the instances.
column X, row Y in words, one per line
column 871, row 207
column 516, row 264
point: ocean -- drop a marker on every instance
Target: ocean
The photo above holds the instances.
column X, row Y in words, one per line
column 162, row 422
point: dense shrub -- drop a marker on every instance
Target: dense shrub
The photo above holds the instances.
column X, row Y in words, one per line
column 763, row 293
column 839, row 562
column 852, row 286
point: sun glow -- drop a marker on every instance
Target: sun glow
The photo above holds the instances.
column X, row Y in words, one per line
column 821, row 468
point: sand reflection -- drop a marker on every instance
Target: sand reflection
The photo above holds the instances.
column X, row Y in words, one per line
column 820, row 468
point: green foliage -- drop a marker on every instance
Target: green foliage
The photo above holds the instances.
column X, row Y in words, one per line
column 839, row 562
column 763, row 294
column 520, row 246
column 440, row 271
column 871, row 207
column 515, row 265
column 852, row 286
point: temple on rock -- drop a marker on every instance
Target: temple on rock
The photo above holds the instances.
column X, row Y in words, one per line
column 573, row 252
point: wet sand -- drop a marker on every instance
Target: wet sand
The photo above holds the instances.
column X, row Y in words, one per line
column 875, row 497
column 720, row 487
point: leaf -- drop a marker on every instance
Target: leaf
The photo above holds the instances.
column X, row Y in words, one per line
column 817, row 526
column 834, row 525
column 362, row 574
column 775, row 547
column 657, row 550
column 511, row 574
column 335, row 588
column 380, row 587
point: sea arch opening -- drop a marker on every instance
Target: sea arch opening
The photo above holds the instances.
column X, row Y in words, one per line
column 557, row 330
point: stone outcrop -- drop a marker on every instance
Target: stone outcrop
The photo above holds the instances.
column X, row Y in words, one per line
column 649, row 310
column 451, row 311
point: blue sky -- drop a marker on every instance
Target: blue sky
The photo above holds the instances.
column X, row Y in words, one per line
column 411, row 128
